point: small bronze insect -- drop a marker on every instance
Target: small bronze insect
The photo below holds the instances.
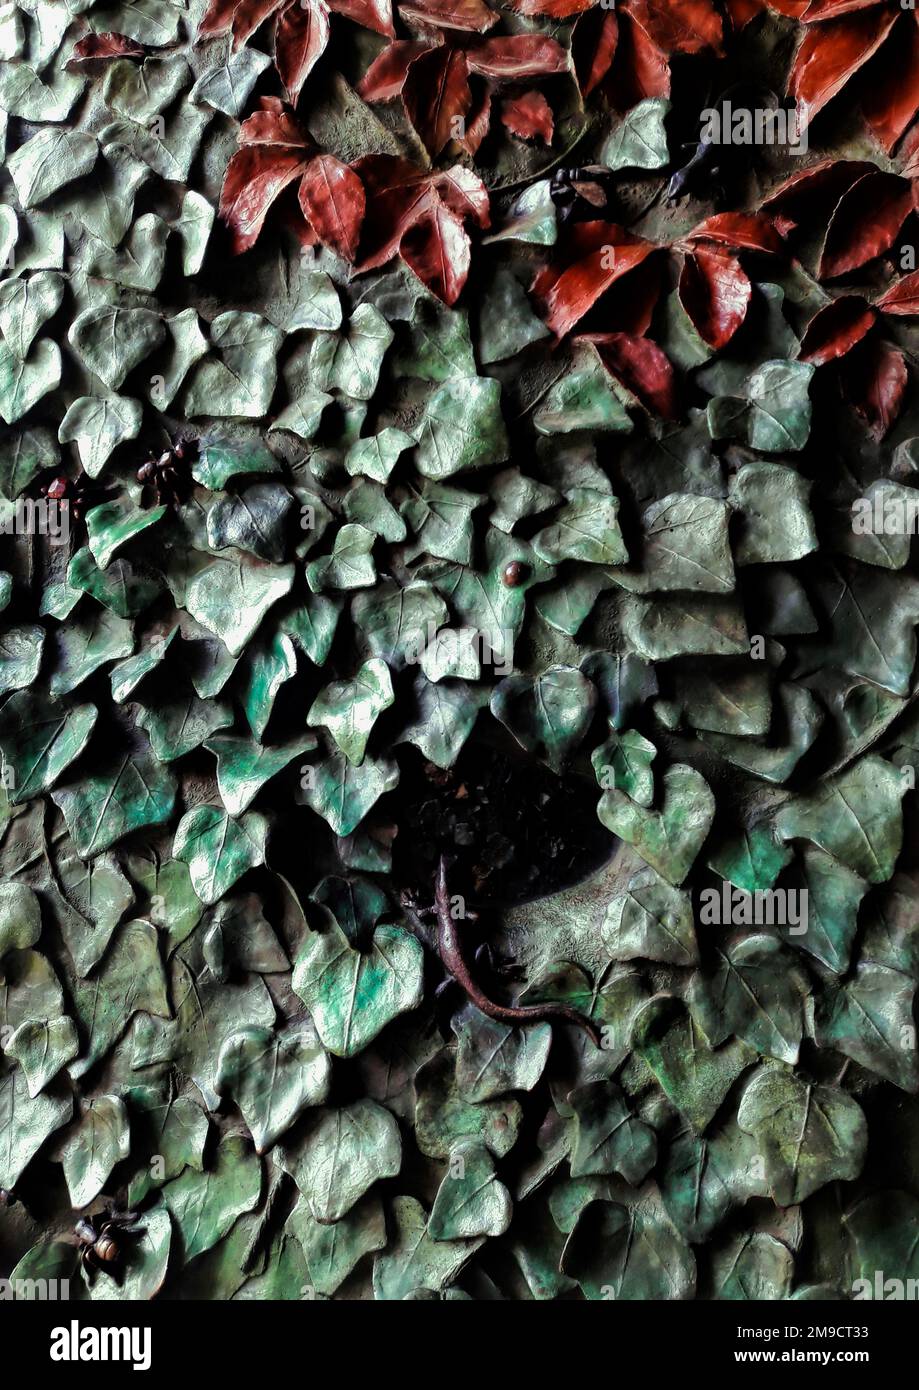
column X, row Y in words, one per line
column 514, row 574
column 582, row 194
column 168, row 474
column 100, row 1246
column 76, row 492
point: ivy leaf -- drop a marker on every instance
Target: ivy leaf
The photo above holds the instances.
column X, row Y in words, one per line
column 99, row 1140
column 40, row 739
column 333, row 1251
column 25, row 381
column 774, row 412
column 623, row 763
column 241, row 381
column 470, row 1200
column 395, row 622
column 112, row 341
column 493, row 1058
column 636, row 1251
column 204, row 1205
column 94, row 897
column 869, row 1018
column 343, row 794
column 639, row 140
column 51, row 159
column 244, row 766
column 352, row 994
column 231, row 595
column 693, row 1075
column 856, row 817
column 26, row 305
column 414, row 1260
column 442, row 719
column 549, row 716
column 444, row 1118
column 341, row 1156
column 20, row 656
column 42, row 1047
column 350, row 565
column 174, row 1129
column 273, row 1077
column 125, row 792
column 607, row 1137
column 97, row 425
column 462, row 428
column 349, row 709
column 670, row 839
column 753, row 1265
column 756, row 991
column 252, row 520
column 227, row 86
column 651, row 920
column 218, row 849
column 146, row 1273
column 129, row 980
column 176, row 727
column 809, row 1135
column 25, row 1123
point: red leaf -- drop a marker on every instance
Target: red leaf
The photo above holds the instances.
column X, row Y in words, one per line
column 835, row 329
column 640, row 68
column 300, row 39
column 821, row 185
column 742, row 11
column 477, row 125
column 641, row 366
column 520, row 55
column 554, row 9
column 473, row 16
column 751, row 231
column 369, row 14
column 679, row 26
column 437, row 96
column 593, row 47
column 217, row 18
column 865, row 223
column 602, row 253
column 271, row 155
column 250, row 15
column 793, row 8
column 891, row 100
column 464, row 192
column 100, row 48
column 385, row 77
column 903, row 297
column 333, row 202
column 528, row 116
column 436, row 248
column 874, row 380
column 818, row 10
column 715, row 292
column 829, row 54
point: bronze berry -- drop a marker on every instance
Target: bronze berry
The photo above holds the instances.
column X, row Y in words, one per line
column 515, row 574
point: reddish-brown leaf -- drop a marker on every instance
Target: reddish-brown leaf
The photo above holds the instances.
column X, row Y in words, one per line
column 385, row 78
column 640, row 68
column 599, row 254
column 552, row 9
column 593, row 47
column 477, row 123
column 715, row 292
column 250, row 15
column 803, row 196
column 836, row 329
column 903, row 297
column 519, row 55
column 742, row 11
column 255, row 177
column 829, row 54
column 794, row 9
column 817, row 10
column 891, row 98
column 437, row 96
column 874, row 380
column 528, row 116
column 273, row 124
column 473, row 16
column 102, row 48
column 750, row 231
column 333, row 202
column 217, row 18
column 300, row 39
column 369, row 14
column 436, row 248
column 679, row 26
column 464, row 192
column 641, row 366
column 865, row 223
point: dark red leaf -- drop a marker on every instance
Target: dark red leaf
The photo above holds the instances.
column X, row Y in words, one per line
column 715, row 292
column 593, row 47
column 641, row 366
column 477, row 124
column 891, row 99
column 437, row 96
column 464, row 192
column 793, row 8
column 301, row 36
column 217, row 18
column 818, row 10
column 528, row 116
column 640, row 68
column 903, row 297
column 742, row 11
column 385, row 77
column 553, row 9
column 829, row 54
column 805, row 194
column 473, row 16
column 874, row 380
column 369, row 14
column 679, row 26
column 436, row 248
column 333, row 202
column 600, row 254
column 274, row 124
column 101, row 48
column 256, row 175
column 750, row 231
column 835, row 329
column 865, row 223
column 520, row 55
